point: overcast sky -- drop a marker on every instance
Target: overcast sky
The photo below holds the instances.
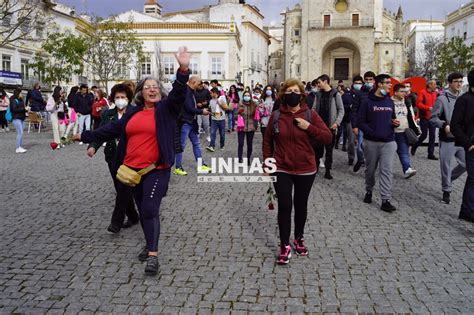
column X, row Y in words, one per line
column 413, row 9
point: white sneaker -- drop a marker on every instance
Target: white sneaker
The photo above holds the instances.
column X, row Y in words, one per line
column 7, row 129
column 208, row 139
column 104, row 144
column 410, row 172
column 2, row 130
column 20, row 150
column 321, row 163
column 81, row 143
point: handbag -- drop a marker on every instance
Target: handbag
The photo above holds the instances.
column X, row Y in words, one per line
column 130, row 177
column 8, row 115
column 240, row 123
column 411, row 136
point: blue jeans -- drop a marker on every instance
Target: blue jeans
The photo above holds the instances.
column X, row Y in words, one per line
column 230, row 119
column 360, row 149
column 467, row 206
column 187, row 130
column 402, row 150
column 18, row 123
column 217, row 124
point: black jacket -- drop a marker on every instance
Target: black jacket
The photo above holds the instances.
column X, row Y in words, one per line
column 82, row 104
column 462, row 122
column 190, row 110
column 203, row 96
column 17, row 108
column 166, row 113
column 310, row 99
column 35, row 99
column 359, row 98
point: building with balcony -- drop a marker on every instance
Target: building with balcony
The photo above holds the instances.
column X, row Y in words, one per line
column 227, row 41
column 342, row 38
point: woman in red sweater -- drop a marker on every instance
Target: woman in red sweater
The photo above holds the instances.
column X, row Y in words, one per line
column 290, row 142
column 147, row 133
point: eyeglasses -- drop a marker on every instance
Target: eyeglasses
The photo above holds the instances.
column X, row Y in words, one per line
column 149, row 87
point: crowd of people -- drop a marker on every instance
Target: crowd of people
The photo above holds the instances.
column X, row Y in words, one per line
column 144, row 131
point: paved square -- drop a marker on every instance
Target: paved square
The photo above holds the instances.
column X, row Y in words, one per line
column 218, row 243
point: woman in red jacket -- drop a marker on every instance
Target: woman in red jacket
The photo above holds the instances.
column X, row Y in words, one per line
column 292, row 131
column 100, row 105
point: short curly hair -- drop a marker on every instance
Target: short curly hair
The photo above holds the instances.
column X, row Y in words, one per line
column 121, row 88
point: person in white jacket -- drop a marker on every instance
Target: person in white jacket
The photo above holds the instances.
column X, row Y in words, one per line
column 55, row 106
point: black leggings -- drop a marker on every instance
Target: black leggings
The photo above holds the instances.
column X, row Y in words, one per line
column 123, row 201
column 148, row 195
column 240, row 151
column 3, row 120
column 284, row 190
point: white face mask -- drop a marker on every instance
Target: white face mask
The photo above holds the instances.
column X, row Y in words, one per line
column 121, row 103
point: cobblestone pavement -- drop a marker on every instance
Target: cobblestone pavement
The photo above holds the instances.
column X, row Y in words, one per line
column 218, row 245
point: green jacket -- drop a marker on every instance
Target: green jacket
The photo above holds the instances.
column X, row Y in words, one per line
column 111, row 146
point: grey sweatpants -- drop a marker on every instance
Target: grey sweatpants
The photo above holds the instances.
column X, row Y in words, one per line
column 379, row 154
column 447, row 151
column 350, row 140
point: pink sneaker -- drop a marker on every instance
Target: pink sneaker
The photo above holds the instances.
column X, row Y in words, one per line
column 299, row 247
column 284, row 255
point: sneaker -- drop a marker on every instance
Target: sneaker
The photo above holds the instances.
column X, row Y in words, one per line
column 211, row 149
column 432, row 157
column 208, row 139
column 344, row 149
column 180, row 171
column 20, row 150
column 7, row 129
column 298, row 246
column 113, row 229
column 328, row 175
column 321, row 163
column 81, row 143
column 222, row 149
column 205, row 169
column 284, row 255
column 446, row 197
column 387, row 206
column 143, row 255
column 357, row 166
column 152, row 265
column 368, row 197
column 2, row 130
column 410, row 172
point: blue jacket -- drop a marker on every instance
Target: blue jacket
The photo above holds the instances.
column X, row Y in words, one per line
column 166, row 114
column 36, row 100
column 359, row 98
column 190, row 110
column 375, row 118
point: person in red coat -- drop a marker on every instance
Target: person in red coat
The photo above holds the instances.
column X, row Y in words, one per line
column 425, row 103
column 290, row 143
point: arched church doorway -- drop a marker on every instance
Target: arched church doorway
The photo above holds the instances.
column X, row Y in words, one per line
column 341, row 60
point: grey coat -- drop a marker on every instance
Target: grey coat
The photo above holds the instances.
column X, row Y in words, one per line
column 336, row 111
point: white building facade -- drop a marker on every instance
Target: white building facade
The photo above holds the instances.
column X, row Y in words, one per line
column 460, row 23
column 16, row 57
column 419, row 33
column 227, row 42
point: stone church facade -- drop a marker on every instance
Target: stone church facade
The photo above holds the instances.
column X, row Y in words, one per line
column 342, row 38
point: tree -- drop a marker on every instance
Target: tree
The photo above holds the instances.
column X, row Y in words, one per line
column 19, row 17
column 426, row 57
column 113, row 50
column 64, row 56
column 452, row 56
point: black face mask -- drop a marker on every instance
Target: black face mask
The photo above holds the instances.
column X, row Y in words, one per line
column 292, row 99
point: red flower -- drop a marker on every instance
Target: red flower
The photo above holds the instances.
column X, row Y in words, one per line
column 271, row 206
column 53, row 145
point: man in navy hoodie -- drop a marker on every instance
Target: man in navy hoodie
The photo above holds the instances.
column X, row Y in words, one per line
column 376, row 120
